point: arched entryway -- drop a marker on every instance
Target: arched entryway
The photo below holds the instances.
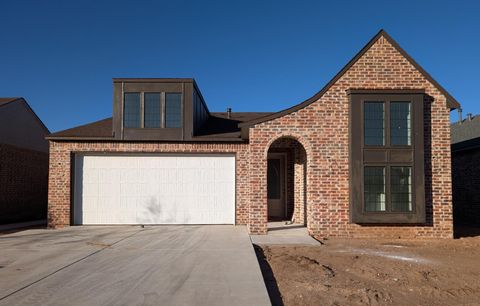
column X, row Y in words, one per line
column 286, row 183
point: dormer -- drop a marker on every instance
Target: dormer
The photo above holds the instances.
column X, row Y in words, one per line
column 157, row 109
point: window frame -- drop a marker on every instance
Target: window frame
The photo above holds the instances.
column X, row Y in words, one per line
column 140, row 110
column 389, row 123
column 384, row 140
column 412, row 184
column 388, row 156
column 384, row 187
column 144, row 109
column 162, row 110
column 387, row 129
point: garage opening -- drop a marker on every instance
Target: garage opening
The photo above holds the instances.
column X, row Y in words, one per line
column 154, row 189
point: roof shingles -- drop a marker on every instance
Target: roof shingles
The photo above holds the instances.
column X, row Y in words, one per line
column 217, row 127
column 466, row 130
column 5, row 101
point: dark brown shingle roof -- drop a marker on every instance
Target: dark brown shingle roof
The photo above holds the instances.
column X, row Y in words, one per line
column 5, row 101
column 218, row 127
column 97, row 129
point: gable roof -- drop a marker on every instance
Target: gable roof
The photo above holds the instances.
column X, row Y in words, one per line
column 6, row 101
column 452, row 103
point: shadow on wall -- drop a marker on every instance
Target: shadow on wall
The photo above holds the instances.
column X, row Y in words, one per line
column 427, row 114
column 76, row 164
column 156, row 214
column 466, row 192
column 23, row 184
column 463, row 231
column 153, row 212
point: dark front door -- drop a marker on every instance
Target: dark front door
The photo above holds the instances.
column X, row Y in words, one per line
column 276, row 186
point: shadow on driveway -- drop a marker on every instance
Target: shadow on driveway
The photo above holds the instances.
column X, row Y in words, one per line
column 268, row 277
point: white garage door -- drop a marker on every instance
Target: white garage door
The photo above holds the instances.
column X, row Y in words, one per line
column 154, row 189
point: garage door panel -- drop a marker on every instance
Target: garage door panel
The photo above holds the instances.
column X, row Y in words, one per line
column 149, row 189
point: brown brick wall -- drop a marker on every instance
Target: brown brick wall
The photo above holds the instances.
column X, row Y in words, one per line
column 466, row 187
column 60, row 162
column 322, row 129
column 23, row 184
column 326, row 143
column 299, row 184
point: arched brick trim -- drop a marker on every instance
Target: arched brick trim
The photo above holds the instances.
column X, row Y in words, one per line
column 303, row 141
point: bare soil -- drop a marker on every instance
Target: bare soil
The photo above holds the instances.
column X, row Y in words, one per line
column 374, row 272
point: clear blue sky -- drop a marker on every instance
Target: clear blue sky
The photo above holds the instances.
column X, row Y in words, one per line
column 251, row 56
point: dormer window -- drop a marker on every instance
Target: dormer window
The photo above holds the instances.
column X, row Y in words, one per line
column 157, row 109
column 173, row 110
column 131, row 110
column 152, row 110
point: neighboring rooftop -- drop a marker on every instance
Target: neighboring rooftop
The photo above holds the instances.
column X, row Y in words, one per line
column 20, row 126
column 465, row 129
column 7, row 100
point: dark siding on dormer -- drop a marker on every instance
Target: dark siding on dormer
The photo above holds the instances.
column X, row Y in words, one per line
column 200, row 112
column 183, row 86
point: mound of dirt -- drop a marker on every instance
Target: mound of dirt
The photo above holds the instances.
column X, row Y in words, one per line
column 374, row 272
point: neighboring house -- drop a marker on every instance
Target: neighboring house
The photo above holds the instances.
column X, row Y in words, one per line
column 366, row 156
column 466, row 170
column 23, row 163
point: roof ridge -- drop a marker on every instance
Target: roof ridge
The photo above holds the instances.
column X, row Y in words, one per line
column 29, row 108
column 451, row 102
column 8, row 100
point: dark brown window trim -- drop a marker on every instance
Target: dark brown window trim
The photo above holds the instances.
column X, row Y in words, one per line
column 387, row 156
column 385, row 91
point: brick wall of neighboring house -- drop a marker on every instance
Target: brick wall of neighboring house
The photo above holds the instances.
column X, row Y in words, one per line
column 60, row 163
column 466, row 187
column 23, row 184
column 322, row 128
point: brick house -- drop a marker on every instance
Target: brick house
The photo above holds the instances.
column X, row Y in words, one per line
column 366, row 156
column 23, row 163
column 465, row 169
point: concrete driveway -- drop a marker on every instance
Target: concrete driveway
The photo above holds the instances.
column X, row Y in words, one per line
column 128, row 265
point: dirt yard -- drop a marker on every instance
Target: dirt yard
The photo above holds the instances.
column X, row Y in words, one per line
column 374, row 272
